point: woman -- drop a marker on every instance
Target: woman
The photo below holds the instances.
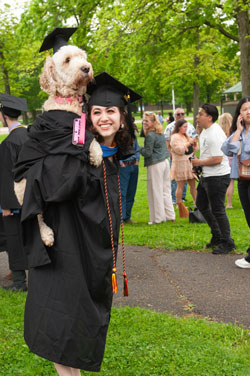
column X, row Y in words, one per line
column 158, row 173
column 182, row 148
column 225, row 121
column 71, row 284
column 239, row 143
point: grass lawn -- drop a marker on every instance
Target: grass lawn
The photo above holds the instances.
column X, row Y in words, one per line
column 139, row 342
column 142, row 342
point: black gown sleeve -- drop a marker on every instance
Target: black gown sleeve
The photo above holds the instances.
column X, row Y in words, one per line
column 53, row 179
column 9, row 155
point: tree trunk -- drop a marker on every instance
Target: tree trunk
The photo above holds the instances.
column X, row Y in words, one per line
column 208, row 92
column 33, row 112
column 141, row 104
column 195, row 101
column 25, row 118
column 5, row 74
column 162, row 108
column 244, row 40
column 188, row 107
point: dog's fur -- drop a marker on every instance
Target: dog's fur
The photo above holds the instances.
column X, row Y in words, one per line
column 64, row 75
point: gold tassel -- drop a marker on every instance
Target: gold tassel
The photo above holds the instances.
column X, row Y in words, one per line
column 114, row 281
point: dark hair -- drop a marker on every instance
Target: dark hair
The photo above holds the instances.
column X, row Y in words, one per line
column 211, row 110
column 123, row 137
column 178, row 125
column 237, row 113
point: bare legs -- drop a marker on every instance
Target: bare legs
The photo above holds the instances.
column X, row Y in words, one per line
column 179, row 190
column 180, row 187
column 230, row 191
column 192, row 188
column 66, row 371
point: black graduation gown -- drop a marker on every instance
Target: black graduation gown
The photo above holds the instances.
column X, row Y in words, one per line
column 70, row 284
column 3, row 245
column 9, row 152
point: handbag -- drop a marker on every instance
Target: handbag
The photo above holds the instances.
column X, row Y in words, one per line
column 195, row 216
column 244, row 169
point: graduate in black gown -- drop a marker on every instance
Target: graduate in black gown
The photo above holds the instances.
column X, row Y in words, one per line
column 70, row 284
column 10, row 110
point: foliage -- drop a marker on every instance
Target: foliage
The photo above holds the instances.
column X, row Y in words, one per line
column 139, row 342
column 150, row 45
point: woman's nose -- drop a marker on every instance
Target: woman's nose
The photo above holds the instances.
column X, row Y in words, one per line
column 104, row 115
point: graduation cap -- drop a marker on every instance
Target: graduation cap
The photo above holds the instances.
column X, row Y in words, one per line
column 12, row 106
column 107, row 91
column 57, row 38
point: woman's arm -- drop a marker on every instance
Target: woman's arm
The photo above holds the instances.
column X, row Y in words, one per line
column 147, row 150
column 178, row 146
column 230, row 148
column 237, row 133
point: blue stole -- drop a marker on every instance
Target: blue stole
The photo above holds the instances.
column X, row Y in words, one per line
column 108, row 151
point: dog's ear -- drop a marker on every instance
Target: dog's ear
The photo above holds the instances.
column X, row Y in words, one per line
column 48, row 81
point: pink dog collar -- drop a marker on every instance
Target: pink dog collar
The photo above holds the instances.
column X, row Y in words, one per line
column 68, row 99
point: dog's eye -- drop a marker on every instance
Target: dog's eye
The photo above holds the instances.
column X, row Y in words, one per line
column 67, row 60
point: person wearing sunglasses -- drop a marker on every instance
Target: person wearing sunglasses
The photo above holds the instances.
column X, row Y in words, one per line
column 191, row 132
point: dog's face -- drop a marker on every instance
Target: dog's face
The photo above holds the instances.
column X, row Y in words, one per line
column 67, row 73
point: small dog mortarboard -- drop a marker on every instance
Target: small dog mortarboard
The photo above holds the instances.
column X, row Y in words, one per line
column 12, row 106
column 107, row 91
column 57, row 38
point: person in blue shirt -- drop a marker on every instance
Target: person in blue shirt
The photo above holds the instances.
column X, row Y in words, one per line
column 129, row 170
column 239, row 143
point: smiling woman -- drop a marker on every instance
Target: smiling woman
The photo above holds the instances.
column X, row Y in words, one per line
column 71, row 288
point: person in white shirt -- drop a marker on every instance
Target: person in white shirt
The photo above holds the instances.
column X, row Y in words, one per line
column 213, row 184
column 191, row 132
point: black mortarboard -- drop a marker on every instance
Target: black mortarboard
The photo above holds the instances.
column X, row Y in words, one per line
column 107, row 91
column 12, row 106
column 57, row 38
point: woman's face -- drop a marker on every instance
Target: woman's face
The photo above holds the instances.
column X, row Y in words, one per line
column 147, row 123
column 106, row 121
column 245, row 112
column 183, row 128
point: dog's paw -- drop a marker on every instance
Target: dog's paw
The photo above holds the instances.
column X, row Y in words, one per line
column 47, row 234
column 95, row 153
column 19, row 189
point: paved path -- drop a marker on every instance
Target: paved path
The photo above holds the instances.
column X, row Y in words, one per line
column 181, row 282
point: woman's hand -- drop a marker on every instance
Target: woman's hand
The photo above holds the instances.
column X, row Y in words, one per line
column 6, row 213
column 192, row 141
column 240, row 121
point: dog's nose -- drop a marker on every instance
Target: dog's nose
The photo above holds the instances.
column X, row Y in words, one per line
column 85, row 70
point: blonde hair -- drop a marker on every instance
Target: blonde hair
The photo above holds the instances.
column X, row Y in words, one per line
column 225, row 121
column 157, row 127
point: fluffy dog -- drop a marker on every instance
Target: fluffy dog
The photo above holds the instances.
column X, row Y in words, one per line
column 64, row 77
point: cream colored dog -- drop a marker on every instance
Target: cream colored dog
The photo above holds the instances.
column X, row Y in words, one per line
column 64, row 77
